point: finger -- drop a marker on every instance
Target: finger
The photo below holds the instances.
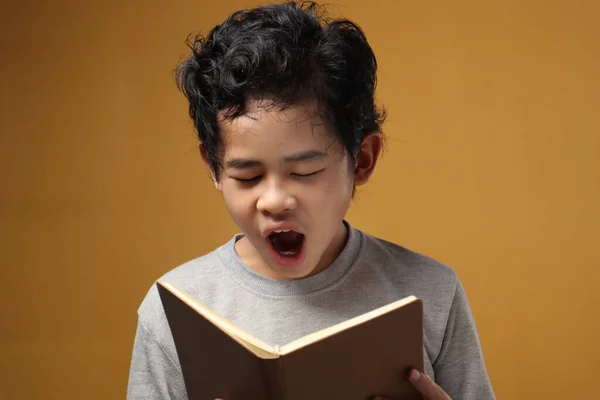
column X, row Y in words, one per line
column 426, row 386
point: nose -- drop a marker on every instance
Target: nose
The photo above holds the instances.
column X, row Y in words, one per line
column 275, row 199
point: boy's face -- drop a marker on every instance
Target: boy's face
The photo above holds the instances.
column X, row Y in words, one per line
column 287, row 184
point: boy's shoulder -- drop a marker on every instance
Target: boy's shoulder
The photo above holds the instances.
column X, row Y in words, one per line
column 408, row 272
column 191, row 273
column 405, row 261
column 401, row 271
column 198, row 277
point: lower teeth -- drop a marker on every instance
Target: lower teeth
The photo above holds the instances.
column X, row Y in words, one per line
column 289, row 253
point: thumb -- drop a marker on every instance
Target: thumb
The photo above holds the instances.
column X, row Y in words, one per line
column 426, row 386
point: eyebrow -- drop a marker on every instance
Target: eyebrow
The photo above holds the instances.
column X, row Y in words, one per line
column 242, row 163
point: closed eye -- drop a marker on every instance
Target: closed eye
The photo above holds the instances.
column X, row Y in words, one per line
column 249, row 180
column 307, row 175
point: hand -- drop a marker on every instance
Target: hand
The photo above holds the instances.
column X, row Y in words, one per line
column 424, row 385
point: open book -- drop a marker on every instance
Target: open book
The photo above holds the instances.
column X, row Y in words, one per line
column 368, row 355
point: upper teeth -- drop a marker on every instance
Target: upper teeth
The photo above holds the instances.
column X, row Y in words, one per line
column 282, row 230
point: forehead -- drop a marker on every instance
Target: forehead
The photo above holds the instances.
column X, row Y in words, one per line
column 266, row 128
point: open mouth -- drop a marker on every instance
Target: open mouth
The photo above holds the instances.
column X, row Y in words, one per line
column 286, row 244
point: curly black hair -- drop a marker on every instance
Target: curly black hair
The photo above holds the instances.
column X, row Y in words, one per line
column 289, row 52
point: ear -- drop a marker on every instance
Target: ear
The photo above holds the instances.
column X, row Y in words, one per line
column 218, row 185
column 367, row 158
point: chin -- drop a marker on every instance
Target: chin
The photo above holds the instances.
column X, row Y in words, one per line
column 293, row 271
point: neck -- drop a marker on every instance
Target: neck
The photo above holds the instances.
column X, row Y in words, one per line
column 333, row 250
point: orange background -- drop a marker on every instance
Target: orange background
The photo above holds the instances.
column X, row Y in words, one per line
column 492, row 167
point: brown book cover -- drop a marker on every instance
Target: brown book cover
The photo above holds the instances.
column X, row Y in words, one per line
column 364, row 356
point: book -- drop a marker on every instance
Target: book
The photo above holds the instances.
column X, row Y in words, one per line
column 364, row 356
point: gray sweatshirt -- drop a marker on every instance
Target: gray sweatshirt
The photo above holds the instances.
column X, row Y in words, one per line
column 368, row 274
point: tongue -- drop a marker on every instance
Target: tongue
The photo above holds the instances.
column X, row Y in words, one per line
column 287, row 242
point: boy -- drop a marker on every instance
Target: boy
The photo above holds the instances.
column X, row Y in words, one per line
column 283, row 103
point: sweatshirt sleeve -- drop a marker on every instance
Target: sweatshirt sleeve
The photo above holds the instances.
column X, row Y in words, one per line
column 459, row 367
column 153, row 375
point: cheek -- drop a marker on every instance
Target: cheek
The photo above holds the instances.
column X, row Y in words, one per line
column 238, row 204
column 343, row 182
column 333, row 195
